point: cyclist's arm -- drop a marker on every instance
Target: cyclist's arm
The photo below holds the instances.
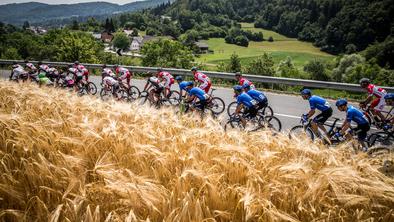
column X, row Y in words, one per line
column 146, row 86
column 345, row 126
column 368, row 100
column 239, row 108
column 12, row 74
column 311, row 113
column 190, row 99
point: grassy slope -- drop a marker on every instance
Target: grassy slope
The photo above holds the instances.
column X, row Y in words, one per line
column 300, row 52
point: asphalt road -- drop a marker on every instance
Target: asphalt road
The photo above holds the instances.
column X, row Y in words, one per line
column 288, row 108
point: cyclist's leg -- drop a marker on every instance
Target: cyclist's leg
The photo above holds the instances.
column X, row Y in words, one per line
column 362, row 131
column 377, row 110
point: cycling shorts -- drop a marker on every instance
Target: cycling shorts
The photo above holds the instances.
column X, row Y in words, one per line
column 262, row 104
column 250, row 112
column 206, row 86
column 378, row 104
column 323, row 116
column 201, row 104
column 361, row 131
column 168, row 84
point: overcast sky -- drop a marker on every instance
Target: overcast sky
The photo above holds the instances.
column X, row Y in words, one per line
column 2, row 2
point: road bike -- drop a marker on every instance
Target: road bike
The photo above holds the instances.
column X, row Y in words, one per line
column 107, row 92
column 266, row 111
column 259, row 122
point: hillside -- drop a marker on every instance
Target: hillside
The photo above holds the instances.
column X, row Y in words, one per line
column 40, row 13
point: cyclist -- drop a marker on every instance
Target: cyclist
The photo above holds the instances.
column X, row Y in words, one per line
column 353, row 114
column 244, row 101
column 30, row 68
column 205, row 82
column 317, row 102
column 242, row 80
column 168, row 80
column 389, row 98
column 123, row 74
column 53, row 73
column 76, row 75
column 82, row 71
column 158, row 88
column 111, row 81
column 182, row 85
column 378, row 104
column 261, row 99
column 106, row 72
column 196, row 93
column 17, row 70
column 43, row 72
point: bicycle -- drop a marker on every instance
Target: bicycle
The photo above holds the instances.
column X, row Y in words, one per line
column 258, row 122
column 305, row 129
column 266, row 111
column 373, row 119
column 133, row 92
column 185, row 108
column 85, row 87
column 108, row 92
column 172, row 98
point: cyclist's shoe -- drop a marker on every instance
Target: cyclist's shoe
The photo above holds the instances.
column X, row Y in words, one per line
column 364, row 149
column 338, row 135
column 387, row 127
column 304, row 118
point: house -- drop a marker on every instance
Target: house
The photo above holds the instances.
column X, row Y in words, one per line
column 37, row 30
column 128, row 32
column 204, row 48
column 96, row 36
column 106, row 37
column 136, row 43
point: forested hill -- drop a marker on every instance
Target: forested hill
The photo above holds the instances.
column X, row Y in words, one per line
column 40, row 13
column 335, row 26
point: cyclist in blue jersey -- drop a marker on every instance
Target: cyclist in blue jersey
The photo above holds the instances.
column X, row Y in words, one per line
column 389, row 99
column 355, row 115
column 259, row 96
column 244, row 101
column 182, row 85
column 317, row 102
column 196, row 93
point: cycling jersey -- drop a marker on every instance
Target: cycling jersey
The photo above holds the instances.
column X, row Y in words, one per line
column 82, row 71
column 17, row 71
column 257, row 95
column 155, row 82
column 73, row 71
column 169, row 79
column 246, row 100
column 316, row 102
column 44, row 68
column 199, row 93
column 182, row 85
column 201, row 77
column 353, row 114
column 376, row 91
column 31, row 66
column 124, row 74
column 108, row 72
column 108, row 80
column 243, row 80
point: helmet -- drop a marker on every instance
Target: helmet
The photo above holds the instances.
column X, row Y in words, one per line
column 178, row 78
column 238, row 74
column 389, row 96
column 104, row 66
column 246, row 85
column 39, row 63
column 194, row 68
column 70, row 66
column 341, row 102
column 306, row 92
column 237, row 88
column 160, row 69
column 76, row 62
column 190, row 83
column 26, row 61
column 364, row 80
column 14, row 63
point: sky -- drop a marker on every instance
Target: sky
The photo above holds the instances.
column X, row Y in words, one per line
column 2, row 2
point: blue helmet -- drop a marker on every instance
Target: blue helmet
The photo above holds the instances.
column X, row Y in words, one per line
column 238, row 88
column 389, row 96
column 190, row 83
column 246, row 85
column 178, row 78
column 306, row 92
column 341, row 102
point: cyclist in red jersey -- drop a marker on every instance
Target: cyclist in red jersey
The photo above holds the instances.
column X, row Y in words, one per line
column 242, row 80
column 199, row 77
column 377, row 104
column 123, row 74
column 167, row 79
column 82, row 70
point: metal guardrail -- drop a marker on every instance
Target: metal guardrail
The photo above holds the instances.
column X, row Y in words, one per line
column 220, row 75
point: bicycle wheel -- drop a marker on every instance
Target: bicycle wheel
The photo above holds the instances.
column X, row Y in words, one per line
column 271, row 123
column 379, row 151
column 174, row 98
column 91, row 88
column 134, row 92
column 233, row 123
column 300, row 131
column 231, row 108
column 105, row 95
column 122, row 95
column 217, row 105
column 381, row 139
column 267, row 111
column 82, row 90
column 143, row 98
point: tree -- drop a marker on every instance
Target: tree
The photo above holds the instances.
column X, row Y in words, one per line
column 166, row 53
column 241, row 40
column 346, row 64
column 316, row 70
column 75, row 25
column 26, row 25
column 121, row 41
column 135, row 32
column 263, row 65
column 10, row 53
column 270, row 39
column 235, row 63
column 287, row 69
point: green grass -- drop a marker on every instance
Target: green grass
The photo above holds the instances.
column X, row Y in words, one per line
column 300, row 52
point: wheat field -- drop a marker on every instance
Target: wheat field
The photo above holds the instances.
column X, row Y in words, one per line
column 69, row 158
